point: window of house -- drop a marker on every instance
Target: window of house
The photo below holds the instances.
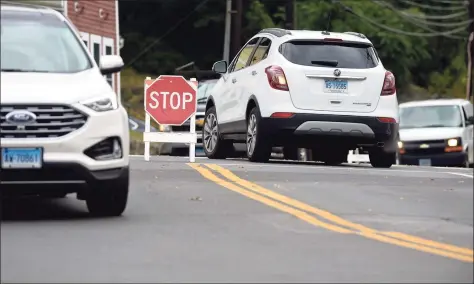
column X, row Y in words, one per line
column 108, row 45
column 95, row 42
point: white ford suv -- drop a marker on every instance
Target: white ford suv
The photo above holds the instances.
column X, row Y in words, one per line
column 325, row 91
column 62, row 127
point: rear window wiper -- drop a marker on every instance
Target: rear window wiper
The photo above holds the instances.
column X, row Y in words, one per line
column 332, row 63
column 23, row 70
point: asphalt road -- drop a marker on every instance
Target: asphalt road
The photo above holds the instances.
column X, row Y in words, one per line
column 233, row 221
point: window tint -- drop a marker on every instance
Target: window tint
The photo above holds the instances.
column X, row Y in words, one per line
column 316, row 53
column 32, row 41
column 430, row 116
column 262, row 51
column 240, row 61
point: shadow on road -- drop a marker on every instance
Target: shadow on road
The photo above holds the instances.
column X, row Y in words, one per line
column 34, row 209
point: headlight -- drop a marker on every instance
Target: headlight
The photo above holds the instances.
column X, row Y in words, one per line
column 453, row 142
column 101, row 104
column 400, row 144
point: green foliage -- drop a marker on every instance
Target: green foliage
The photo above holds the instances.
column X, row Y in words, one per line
column 423, row 66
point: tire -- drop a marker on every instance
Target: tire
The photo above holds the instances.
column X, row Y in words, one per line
column 218, row 148
column 290, row 153
column 258, row 148
column 381, row 159
column 108, row 200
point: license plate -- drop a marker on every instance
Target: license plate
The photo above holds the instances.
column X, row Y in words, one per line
column 336, row 86
column 22, row 158
column 424, row 162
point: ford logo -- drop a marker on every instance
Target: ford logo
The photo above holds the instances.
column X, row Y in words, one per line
column 20, row 117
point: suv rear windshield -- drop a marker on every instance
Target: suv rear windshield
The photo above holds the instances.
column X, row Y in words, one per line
column 39, row 42
column 330, row 54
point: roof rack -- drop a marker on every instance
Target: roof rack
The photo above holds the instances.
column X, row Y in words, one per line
column 276, row 32
column 356, row 34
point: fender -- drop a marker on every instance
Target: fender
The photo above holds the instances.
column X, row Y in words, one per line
column 252, row 98
column 209, row 102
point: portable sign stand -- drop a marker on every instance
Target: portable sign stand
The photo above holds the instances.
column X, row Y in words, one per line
column 171, row 137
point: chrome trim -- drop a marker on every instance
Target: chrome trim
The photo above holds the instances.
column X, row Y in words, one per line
column 357, row 78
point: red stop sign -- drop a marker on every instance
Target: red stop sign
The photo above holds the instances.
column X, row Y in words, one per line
column 170, row 100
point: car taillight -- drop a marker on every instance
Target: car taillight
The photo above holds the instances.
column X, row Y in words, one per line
column 276, row 78
column 389, row 87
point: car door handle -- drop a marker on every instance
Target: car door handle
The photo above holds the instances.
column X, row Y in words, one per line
column 254, row 73
column 234, row 80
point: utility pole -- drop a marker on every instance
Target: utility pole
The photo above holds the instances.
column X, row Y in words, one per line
column 470, row 51
column 228, row 17
column 290, row 14
column 236, row 28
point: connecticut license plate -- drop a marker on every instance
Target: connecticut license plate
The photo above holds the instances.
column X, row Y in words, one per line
column 22, row 158
column 336, row 86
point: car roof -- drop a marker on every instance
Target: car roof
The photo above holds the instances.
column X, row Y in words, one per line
column 309, row 34
column 25, row 7
column 437, row 102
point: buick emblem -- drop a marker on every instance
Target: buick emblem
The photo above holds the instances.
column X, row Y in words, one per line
column 337, row 72
column 20, row 117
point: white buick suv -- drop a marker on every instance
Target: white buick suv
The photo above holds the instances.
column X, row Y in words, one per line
column 63, row 129
column 328, row 92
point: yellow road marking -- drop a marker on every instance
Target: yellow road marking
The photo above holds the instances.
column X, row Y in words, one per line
column 331, row 217
column 463, row 254
column 282, row 207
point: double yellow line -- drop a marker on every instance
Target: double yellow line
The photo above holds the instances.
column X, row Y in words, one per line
column 332, row 222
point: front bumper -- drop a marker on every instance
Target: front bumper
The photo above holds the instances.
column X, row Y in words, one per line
column 305, row 128
column 437, row 160
column 69, row 149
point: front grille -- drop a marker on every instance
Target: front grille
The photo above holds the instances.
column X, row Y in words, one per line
column 51, row 121
column 429, row 151
column 434, row 147
column 185, row 128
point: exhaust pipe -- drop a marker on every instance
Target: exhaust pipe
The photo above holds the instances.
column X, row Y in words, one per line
column 380, row 144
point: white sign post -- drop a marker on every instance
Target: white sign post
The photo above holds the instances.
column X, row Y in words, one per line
column 170, row 100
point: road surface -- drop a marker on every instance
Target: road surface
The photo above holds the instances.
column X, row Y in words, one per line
column 235, row 221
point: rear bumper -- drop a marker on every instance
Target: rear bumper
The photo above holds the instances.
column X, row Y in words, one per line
column 305, row 128
column 439, row 160
column 60, row 177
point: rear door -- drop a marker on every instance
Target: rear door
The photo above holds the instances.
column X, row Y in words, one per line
column 333, row 76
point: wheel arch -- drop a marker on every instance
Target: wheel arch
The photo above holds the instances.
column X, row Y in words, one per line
column 210, row 103
column 253, row 102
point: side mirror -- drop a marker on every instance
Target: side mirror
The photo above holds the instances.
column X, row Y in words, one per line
column 470, row 120
column 110, row 64
column 220, row 67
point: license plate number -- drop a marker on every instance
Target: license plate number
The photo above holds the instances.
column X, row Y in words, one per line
column 336, row 86
column 424, row 162
column 22, row 158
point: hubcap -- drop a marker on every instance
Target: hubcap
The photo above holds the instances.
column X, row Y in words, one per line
column 210, row 133
column 251, row 134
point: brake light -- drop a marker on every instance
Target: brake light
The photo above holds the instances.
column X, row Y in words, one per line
column 389, row 87
column 386, row 119
column 333, row 39
column 276, row 78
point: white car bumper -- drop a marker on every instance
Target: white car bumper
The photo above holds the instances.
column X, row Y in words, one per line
column 66, row 153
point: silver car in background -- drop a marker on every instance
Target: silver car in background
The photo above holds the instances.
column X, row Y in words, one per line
column 182, row 149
